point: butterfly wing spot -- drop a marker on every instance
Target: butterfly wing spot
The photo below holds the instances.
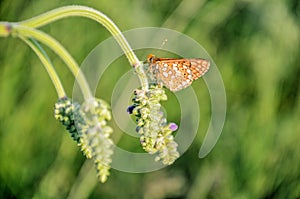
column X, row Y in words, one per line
column 165, row 74
column 185, row 67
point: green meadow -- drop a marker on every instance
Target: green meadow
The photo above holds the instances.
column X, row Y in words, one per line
column 256, row 48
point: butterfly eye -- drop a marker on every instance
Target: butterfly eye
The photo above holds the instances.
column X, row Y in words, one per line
column 150, row 58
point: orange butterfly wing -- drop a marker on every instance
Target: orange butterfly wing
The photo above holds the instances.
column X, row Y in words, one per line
column 177, row 74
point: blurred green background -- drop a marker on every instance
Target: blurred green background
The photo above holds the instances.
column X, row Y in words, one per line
column 255, row 44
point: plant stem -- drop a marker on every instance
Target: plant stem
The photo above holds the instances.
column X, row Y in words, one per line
column 39, row 51
column 88, row 12
column 23, row 31
column 93, row 14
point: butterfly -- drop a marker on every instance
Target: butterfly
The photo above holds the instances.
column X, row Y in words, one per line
column 176, row 74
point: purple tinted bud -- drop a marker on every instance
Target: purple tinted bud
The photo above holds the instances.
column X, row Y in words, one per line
column 173, row 126
column 130, row 109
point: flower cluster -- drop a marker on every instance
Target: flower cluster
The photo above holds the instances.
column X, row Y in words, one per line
column 87, row 125
column 65, row 112
column 156, row 133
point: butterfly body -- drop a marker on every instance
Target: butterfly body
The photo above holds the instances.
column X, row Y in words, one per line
column 177, row 74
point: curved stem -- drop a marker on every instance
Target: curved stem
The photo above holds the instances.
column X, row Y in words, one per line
column 22, row 31
column 91, row 13
column 39, row 51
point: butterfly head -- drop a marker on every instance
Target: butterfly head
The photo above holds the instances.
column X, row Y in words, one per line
column 150, row 58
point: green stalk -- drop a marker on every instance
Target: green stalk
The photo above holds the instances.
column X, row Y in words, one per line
column 22, row 31
column 93, row 14
column 39, row 51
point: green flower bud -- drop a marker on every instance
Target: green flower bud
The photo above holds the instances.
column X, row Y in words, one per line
column 156, row 133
